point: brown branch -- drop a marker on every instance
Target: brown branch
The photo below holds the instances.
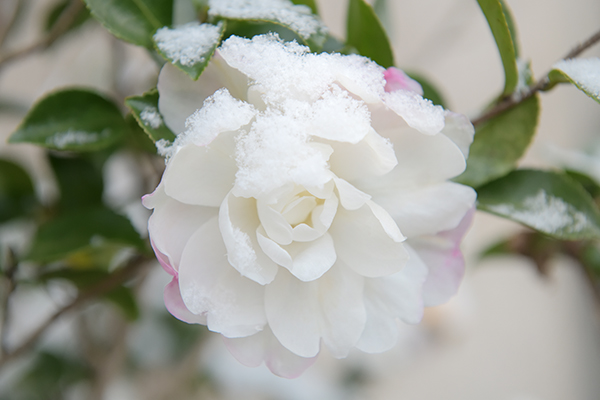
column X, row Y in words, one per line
column 102, row 287
column 511, row 101
column 64, row 22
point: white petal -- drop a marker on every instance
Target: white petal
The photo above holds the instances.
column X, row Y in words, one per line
column 252, row 350
column 389, row 298
column 362, row 243
column 306, row 260
column 238, row 221
column 200, row 175
column 460, row 130
column 386, row 221
column 180, row 96
column 350, row 197
column 372, row 156
column 174, row 304
column 233, row 305
column 276, row 227
column 172, row 224
column 430, row 209
column 418, row 112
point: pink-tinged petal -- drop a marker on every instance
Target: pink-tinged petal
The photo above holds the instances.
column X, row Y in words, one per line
column 263, row 346
column 372, row 156
column 331, row 308
column 172, row 224
column 429, row 209
column 174, row 304
column 445, row 261
column 460, row 130
column 396, row 79
column 418, row 112
column 362, row 243
column 307, row 261
column 180, row 96
column 398, row 296
column 201, row 176
column 238, row 221
column 163, row 260
column 233, row 305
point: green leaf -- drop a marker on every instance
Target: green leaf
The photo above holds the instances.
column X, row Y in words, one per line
column 512, row 27
column 582, row 73
column 134, row 21
column 74, row 120
column 365, row 32
column 122, row 296
column 500, row 142
column 312, row 4
column 494, row 11
column 589, row 184
column 196, row 68
column 429, row 90
column 82, row 229
column 17, row 195
column 548, row 202
column 145, row 110
column 293, row 18
column 57, row 10
column 79, row 181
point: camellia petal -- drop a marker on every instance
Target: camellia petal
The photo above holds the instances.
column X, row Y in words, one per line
column 175, row 305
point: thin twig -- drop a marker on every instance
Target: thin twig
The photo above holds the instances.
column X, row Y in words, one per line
column 102, row 287
column 11, row 22
column 64, row 22
column 511, row 101
column 4, row 306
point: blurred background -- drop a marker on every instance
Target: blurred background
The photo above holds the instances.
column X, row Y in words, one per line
column 511, row 333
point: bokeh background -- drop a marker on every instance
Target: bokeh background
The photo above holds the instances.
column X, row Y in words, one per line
column 509, row 334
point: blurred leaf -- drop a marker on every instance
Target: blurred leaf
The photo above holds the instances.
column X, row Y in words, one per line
column 122, row 296
column 79, row 181
column 49, row 376
column 17, row 195
column 429, row 90
column 312, row 4
column 512, row 27
column 72, row 119
column 145, row 110
column 365, row 32
column 194, row 70
column 139, row 140
column 496, row 12
column 582, row 73
column 586, row 182
column 548, row 202
column 500, row 142
column 57, row 10
column 134, row 21
column 86, row 228
column 261, row 19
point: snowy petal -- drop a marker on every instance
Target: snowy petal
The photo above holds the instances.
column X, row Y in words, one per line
column 237, row 221
column 396, row 79
column 419, row 113
column 233, row 305
column 363, row 244
column 176, row 306
column 200, row 175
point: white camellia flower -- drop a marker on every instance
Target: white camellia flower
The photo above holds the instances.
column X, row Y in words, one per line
column 305, row 203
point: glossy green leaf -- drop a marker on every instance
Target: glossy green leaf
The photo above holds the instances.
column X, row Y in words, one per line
column 429, row 90
column 512, row 27
column 312, row 4
column 500, row 142
column 295, row 19
column 17, row 195
column 583, row 73
column 79, row 230
column 494, row 11
column 134, row 21
column 365, row 32
column 195, row 69
column 122, row 296
column 548, row 202
column 79, row 182
column 145, row 110
column 74, row 120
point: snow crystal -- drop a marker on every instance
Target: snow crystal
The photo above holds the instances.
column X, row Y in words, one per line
column 62, row 140
column 419, row 113
column 545, row 213
column 297, row 17
column 585, row 72
column 189, row 43
column 151, row 117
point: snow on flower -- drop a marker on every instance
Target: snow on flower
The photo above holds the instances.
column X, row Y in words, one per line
column 303, row 205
